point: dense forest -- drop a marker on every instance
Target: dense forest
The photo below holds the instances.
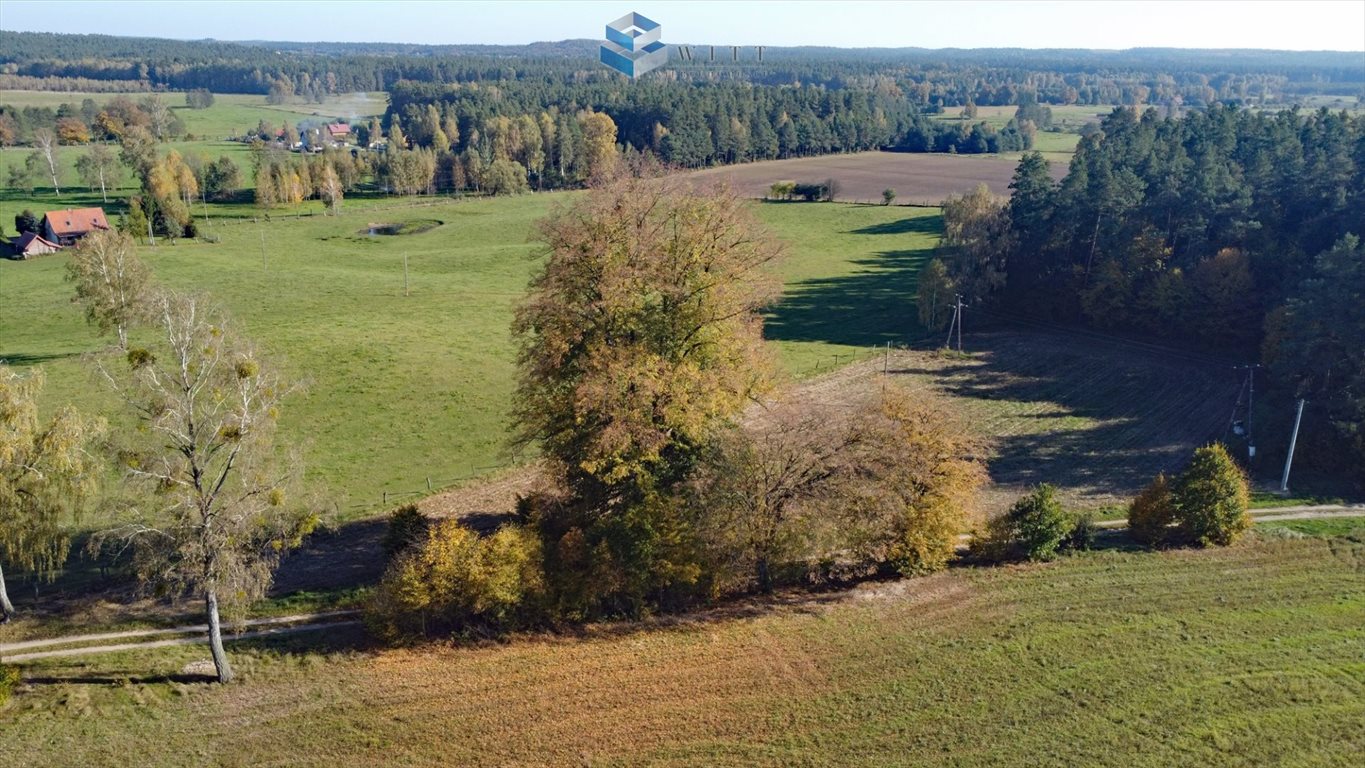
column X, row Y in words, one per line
column 940, row 78
column 522, row 108
column 1229, row 230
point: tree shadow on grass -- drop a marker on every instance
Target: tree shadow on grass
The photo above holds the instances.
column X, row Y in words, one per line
column 1087, row 416
column 872, row 305
column 23, row 359
column 928, row 225
column 348, row 555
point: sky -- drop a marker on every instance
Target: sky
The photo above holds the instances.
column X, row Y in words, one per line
column 1294, row 25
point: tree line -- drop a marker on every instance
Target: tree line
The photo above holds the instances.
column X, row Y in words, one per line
column 310, row 71
column 1230, row 229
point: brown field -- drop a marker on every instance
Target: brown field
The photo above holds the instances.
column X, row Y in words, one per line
column 919, row 179
column 1244, row 656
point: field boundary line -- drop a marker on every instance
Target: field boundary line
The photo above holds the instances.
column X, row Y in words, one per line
column 69, row 639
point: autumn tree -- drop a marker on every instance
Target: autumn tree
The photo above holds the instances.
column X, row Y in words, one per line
column 914, row 481
column 329, row 188
column 1152, row 513
column 640, row 335
column 112, row 283
column 1210, row 498
column 935, row 296
column 46, row 477
column 975, row 241
column 174, row 188
column 762, row 493
column 599, row 144
column 887, row 481
column 73, row 130
column 217, row 512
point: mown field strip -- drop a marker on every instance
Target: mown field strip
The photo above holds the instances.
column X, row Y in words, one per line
column 273, row 632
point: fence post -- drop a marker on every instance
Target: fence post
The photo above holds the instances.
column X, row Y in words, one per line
column 428, row 485
column 386, row 498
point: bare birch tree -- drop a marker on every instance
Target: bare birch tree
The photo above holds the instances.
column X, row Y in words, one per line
column 99, row 166
column 111, row 282
column 160, row 113
column 46, row 142
column 46, row 477
column 217, row 515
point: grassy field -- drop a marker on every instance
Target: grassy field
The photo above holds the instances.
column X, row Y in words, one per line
column 1353, row 527
column 402, row 389
column 231, row 112
column 1243, row 656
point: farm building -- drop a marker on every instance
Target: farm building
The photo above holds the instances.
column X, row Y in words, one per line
column 338, row 131
column 66, row 227
column 32, row 244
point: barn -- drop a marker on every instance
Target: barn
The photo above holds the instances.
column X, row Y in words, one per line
column 32, row 244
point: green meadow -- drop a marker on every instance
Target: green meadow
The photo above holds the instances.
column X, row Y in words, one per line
column 405, row 388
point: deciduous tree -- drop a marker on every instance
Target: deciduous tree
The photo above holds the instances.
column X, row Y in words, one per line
column 46, row 142
column 217, row 512
column 99, row 167
column 640, row 335
column 112, row 283
column 46, row 477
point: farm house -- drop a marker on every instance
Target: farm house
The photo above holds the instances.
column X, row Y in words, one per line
column 66, row 227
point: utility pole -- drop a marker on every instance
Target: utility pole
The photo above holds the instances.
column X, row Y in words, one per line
column 1293, row 441
column 959, row 322
column 1251, row 402
column 955, row 324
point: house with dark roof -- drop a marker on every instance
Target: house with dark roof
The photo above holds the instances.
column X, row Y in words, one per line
column 32, row 244
column 66, row 227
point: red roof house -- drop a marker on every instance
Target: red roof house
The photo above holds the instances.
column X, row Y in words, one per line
column 338, row 131
column 66, row 227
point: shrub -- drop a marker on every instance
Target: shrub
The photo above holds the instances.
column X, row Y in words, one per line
column 458, row 581
column 1039, row 523
column 888, row 196
column 1151, row 514
column 9, row 677
column 1033, row 529
column 407, row 526
column 1210, row 498
column 782, row 190
column 1083, row 532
